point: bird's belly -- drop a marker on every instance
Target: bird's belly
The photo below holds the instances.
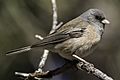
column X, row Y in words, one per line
column 78, row 46
column 85, row 50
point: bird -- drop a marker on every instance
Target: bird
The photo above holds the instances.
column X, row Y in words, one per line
column 79, row 36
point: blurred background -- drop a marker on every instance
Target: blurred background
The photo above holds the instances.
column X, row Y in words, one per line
column 20, row 20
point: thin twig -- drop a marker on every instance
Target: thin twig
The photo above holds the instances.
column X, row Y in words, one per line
column 45, row 54
column 43, row 60
column 38, row 37
column 22, row 74
column 86, row 66
column 54, row 7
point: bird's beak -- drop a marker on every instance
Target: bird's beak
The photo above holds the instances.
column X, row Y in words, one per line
column 105, row 21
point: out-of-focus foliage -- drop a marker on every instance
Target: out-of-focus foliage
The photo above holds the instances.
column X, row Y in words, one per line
column 20, row 20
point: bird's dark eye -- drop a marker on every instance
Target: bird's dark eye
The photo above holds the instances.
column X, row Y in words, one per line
column 99, row 17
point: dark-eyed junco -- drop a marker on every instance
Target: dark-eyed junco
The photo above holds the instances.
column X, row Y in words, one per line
column 78, row 36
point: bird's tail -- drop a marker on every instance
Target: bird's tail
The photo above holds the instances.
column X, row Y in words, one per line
column 20, row 50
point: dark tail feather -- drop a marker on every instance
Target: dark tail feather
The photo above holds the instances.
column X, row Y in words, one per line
column 20, row 50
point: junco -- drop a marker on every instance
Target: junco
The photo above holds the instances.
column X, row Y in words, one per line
column 78, row 36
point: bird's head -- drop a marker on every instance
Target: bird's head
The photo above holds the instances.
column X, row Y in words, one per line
column 97, row 18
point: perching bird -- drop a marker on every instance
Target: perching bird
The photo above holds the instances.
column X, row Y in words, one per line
column 78, row 36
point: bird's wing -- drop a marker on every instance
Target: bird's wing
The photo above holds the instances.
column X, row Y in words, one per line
column 51, row 39
column 73, row 29
column 74, row 24
column 59, row 37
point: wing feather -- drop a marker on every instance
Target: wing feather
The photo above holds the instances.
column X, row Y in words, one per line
column 59, row 37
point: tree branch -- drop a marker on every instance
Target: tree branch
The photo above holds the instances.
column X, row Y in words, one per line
column 54, row 7
column 45, row 54
column 86, row 66
column 82, row 64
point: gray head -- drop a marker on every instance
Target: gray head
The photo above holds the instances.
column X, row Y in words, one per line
column 96, row 17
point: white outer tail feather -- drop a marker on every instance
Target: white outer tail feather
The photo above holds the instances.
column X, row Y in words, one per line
column 20, row 50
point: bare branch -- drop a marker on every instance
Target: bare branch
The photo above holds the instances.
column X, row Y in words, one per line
column 44, row 58
column 86, row 66
column 39, row 37
column 54, row 16
column 45, row 54
column 22, row 74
